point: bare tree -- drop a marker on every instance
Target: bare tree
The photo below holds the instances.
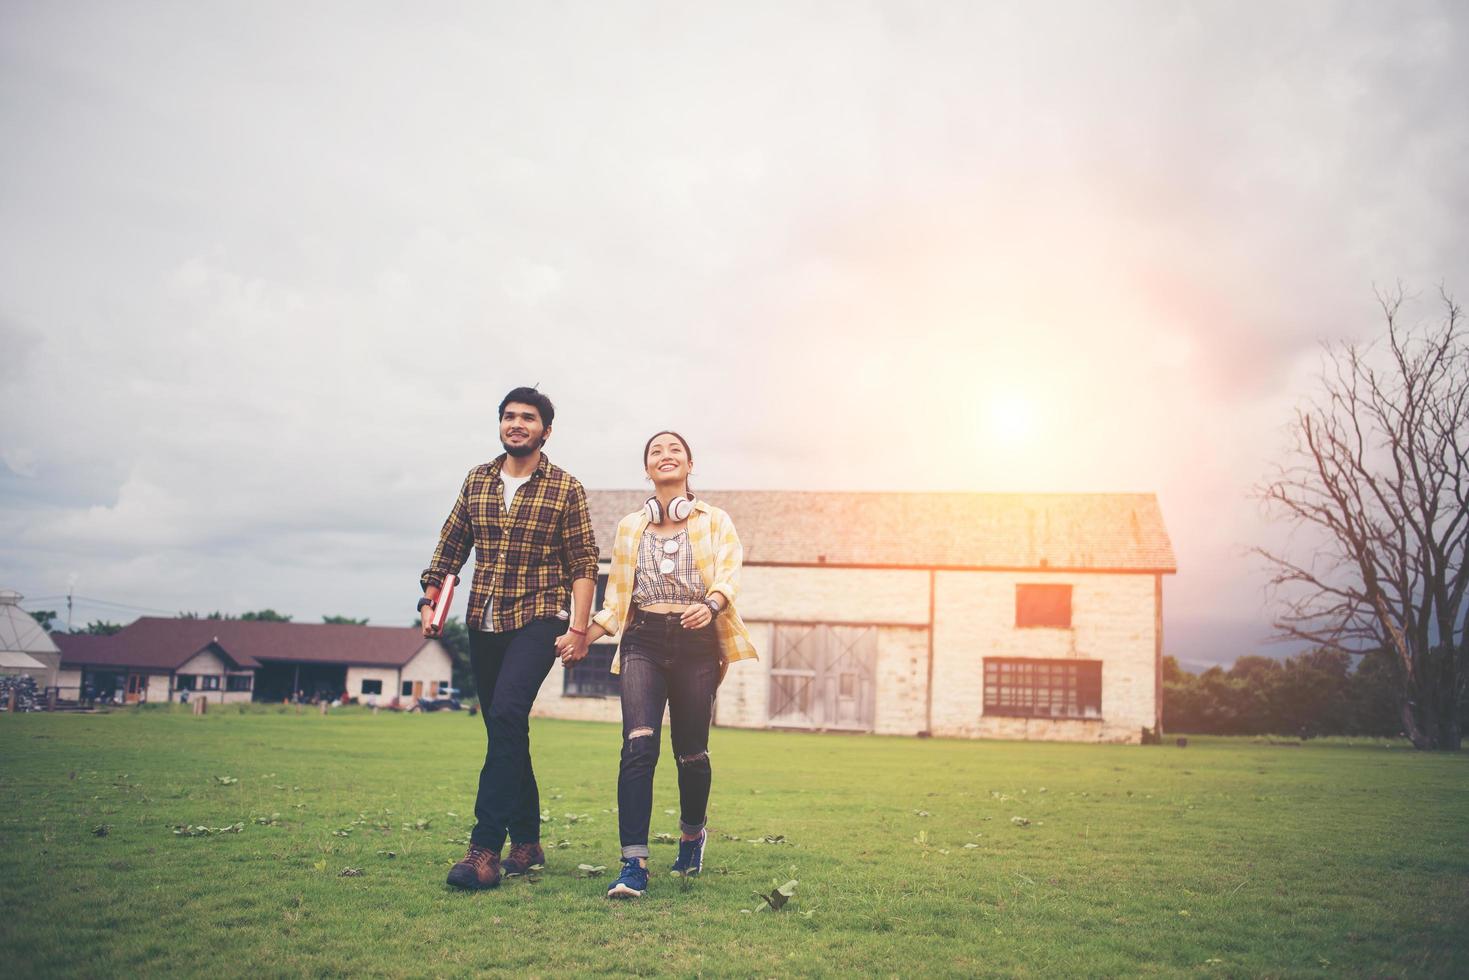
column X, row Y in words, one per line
column 1377, row 485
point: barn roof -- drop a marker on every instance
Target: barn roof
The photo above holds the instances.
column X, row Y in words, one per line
column 168, row 643
column 1053, row 531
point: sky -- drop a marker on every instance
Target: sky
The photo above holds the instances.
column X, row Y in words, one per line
column 266, row 269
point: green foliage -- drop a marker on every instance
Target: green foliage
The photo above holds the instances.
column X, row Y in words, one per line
column 456, row 639
column 100, row 627
column 47, row 618
column 1280, row 856
column 265, row 616
column 214, row 615
column 1311, row 694
column 343, row 621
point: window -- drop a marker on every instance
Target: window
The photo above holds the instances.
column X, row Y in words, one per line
column 210, row 682
column 1043, row 605
column 443, row 689
column 1043, row 688
column 186, row 682
column 408, row 689
column 372, row 687
column 239, row 682
column 592, row 677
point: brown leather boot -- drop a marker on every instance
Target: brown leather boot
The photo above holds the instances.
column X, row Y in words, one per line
column 522, row 858
column 480, row 868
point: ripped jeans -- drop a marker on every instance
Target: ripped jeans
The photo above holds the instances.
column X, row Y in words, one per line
column 663, row 663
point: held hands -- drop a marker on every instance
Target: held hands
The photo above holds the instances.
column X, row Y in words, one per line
column 570, row 648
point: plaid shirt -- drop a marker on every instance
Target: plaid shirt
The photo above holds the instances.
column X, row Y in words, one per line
column 525, row 559
column 718, row 554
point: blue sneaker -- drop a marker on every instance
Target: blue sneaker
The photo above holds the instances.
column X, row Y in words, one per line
column 691, row 855
column 632, row 882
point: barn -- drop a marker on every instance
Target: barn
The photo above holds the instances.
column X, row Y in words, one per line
column 1025, row 616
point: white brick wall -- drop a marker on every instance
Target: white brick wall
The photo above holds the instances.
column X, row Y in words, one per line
column 902, row 680
column 974, row 617
column 744, row 697
column 1112, row 621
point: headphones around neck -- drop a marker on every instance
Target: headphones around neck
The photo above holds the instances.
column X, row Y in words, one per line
column 679, row 508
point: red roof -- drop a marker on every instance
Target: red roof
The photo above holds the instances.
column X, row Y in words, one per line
column 166, row 644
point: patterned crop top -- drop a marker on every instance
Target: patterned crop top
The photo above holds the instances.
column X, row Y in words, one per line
column 681, row 585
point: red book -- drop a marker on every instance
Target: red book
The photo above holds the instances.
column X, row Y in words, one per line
column 441, row 606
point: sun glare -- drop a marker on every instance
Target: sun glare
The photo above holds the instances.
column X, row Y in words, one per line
column 1010, row 417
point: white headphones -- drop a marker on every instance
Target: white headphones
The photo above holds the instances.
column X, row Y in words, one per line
column 679, row 508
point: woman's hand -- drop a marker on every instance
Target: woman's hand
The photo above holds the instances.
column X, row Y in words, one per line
column 570, row 648
column 696, row 617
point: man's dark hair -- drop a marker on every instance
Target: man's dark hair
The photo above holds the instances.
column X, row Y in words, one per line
column 530, row 396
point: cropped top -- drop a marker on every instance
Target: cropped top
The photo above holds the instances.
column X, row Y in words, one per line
column 681, row 584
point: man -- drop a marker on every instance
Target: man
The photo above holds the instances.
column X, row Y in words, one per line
column 535, row 553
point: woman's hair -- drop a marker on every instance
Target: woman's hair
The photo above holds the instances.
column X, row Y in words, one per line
column 688, row 453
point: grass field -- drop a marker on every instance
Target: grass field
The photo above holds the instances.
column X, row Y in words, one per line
column 914, row 857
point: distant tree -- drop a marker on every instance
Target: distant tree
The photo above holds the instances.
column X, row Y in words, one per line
column 47, row 618
column 1378, row 478
column 263, row 616
column 1373, row 692
column 1258, row 702
column 1311, row 696
column 456, row 638
column 100, row 627
column 214, row 615
column 343, row 621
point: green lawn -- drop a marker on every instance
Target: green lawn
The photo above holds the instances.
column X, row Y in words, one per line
column 1226, row 858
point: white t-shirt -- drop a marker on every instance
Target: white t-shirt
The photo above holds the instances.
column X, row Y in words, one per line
column 512, row 484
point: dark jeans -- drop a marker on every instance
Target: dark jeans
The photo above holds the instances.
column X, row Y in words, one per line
column 508, row 670
column 663, row 663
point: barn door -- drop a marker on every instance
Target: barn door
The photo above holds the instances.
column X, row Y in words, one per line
column 823, row 677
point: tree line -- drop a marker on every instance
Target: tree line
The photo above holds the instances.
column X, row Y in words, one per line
column 50, row 620
column 1319, row 692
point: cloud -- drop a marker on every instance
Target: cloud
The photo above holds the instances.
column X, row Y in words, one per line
column 276, row 268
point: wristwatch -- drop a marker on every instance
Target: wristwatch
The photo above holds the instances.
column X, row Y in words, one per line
column 713, row 607
column 425, row 601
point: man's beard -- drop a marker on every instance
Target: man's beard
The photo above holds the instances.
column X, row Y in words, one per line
column 520, row 452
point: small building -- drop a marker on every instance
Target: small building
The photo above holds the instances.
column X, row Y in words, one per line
column 1026, row 616
column 156, row 659
column 24, row 646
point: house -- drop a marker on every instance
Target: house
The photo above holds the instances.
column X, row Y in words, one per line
column 156, row 659
column 24, row 646
column 1027, row 616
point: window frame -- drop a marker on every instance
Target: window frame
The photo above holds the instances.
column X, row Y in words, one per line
column 1060, row 689
column 592, row 677
column 362, row 687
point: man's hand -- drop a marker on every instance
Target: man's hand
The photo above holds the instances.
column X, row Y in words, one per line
column 696, row 617
column 427, row 612
column 570, row 648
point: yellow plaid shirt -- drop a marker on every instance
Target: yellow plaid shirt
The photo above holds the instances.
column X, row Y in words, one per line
column 718, row 554
column 525, row 559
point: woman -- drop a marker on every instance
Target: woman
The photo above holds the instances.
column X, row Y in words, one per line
column 671, row 592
